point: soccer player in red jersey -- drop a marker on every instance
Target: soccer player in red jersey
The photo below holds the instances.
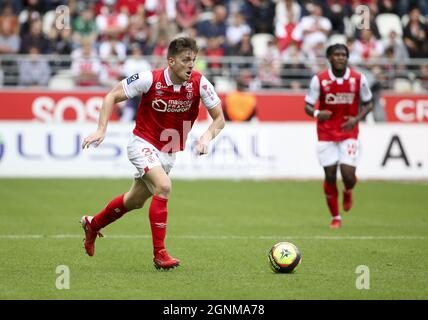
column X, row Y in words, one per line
column 340, row 90
column 169, row 106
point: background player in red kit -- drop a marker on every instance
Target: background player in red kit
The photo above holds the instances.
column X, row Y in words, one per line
column 339, row 90
column 168, row 109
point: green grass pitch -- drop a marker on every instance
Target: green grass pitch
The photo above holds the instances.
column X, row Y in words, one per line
column 221, row 231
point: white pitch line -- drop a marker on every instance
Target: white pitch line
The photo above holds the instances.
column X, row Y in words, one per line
column 218, row 237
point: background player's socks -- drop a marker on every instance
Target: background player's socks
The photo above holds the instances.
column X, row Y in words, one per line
column 113, row 211
column 331, row 195
column 158, row 214
column 347, row 200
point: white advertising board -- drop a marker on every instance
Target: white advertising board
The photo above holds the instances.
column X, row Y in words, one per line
column 241, row 151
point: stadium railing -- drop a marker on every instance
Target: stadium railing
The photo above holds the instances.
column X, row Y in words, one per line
column 262, row 74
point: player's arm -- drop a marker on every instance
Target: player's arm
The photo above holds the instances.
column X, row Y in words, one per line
column 350, row 122
column 367, row 105
column 116, row 95
column 218, row 123
column 311, row 99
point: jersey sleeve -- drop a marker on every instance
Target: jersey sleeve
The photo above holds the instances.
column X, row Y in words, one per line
column 137, row 84
column 313, row 92
column 208, row 95
column 365, row 92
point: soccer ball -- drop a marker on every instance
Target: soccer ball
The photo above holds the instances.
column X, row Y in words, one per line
column 284, row 257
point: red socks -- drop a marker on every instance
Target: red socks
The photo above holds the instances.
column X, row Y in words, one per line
column 331, row 195
column 113, row 211
column 158, row 214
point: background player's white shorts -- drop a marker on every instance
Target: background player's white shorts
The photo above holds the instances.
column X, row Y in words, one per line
column 144, row 156
column 343, row 152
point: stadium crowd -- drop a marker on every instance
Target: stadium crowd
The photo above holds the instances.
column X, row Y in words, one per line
column 110, row 39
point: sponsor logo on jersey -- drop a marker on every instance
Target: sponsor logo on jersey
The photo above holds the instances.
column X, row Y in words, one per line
column 171, row 105
column 159, row 86
column 132, row 78
column 339, row 98
column 189, row 86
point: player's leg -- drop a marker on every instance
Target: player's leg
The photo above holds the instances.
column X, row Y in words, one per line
column 349, row 157
column 115, row 209
column 160, row 183
column 332, row 195
column 328, row 156
column 349, row 180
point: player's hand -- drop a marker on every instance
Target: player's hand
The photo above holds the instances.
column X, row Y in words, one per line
column 349, row 123
column 97, row 137
column 201, row 147
column 324, row 115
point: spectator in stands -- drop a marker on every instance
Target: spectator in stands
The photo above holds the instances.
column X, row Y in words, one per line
column 15, row 6
column 415, row 35
column 214, row 53
column 34, row 38
column 269, row 70
column 423, row 76
column 286, row 10
column 33, row 10
column 110, row 21
column 367, row 47
column 395, row 46
column 84, row 25
column 130, row 7
column 240, row 105
column 312, row 29
column 86, row 67
column 34, row 70
column 262, row 16
column 284, row 32
column 9, row 38
column 112, row 47
column 336, row 12
column 293, row 64
column 187, row 13
column 235, row 32
column 161, row 47
column 7, row 13
column 215, row 27
column 388, row 6
column 138, row 31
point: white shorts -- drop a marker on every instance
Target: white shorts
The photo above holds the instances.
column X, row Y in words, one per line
column 343, row 152
column 144, row 156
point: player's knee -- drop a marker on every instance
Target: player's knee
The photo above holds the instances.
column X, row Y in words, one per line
column 349, row 179
column 330, row 178
column 163, row 189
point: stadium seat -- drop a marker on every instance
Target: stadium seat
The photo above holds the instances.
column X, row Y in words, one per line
column 63, row 80
column 224, row 84
column 336, row 38
column 259, row 42
column 387, row 22
column 402, row 85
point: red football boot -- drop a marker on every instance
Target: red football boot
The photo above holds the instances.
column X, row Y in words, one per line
column 163, row 261
column 90, row 235
column 335, row 224
column 347, row 200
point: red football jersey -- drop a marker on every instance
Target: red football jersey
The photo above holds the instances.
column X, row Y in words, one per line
column 167, row 111
column 342, row 97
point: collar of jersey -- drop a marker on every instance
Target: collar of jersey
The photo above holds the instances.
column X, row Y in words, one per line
column 168, row 79
column 345, row 77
